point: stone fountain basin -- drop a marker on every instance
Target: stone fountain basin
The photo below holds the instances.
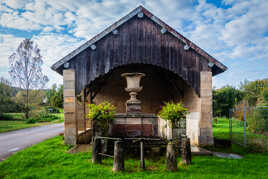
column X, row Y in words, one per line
column 135, row 125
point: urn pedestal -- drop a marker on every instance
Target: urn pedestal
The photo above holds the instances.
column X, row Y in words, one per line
column 133, row 105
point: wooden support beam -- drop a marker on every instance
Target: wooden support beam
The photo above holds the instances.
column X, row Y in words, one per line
column 106, row 155
column 171, row 158
column 118, row 156
column 172, row 83
column 96, row 149
column 142, row 162
column 84, row 109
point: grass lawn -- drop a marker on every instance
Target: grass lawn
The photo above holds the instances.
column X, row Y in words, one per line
column 50, row 160
column 18, row 123
column 221, row 130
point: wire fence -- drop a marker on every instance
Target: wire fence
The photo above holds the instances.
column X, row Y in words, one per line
column 249, row 127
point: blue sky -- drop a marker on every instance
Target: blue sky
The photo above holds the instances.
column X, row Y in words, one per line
column 233, row 31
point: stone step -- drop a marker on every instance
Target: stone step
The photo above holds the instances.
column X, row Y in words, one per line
column 200, row 151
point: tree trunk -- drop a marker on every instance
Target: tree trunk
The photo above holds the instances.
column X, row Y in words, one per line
column 96, row 148
column 27, row 104
column 118, row 156
column 186, row 155
column 171, row 158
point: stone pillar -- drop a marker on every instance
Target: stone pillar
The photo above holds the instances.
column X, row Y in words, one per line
column 70, row 126
column 205, row 124
column 198, row 121
column 193, row 102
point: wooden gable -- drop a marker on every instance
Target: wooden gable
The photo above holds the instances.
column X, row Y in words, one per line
column 139, row 38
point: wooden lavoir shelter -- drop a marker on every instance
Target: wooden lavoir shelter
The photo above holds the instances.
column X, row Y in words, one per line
column 176, row 69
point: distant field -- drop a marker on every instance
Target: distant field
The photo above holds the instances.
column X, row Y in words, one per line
column 17, row 122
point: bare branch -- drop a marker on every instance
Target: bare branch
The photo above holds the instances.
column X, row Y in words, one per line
column 25, row 66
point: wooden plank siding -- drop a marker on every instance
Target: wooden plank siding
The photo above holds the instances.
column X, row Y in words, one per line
column 139, row 41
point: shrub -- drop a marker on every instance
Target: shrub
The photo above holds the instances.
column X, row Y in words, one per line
column 46, row 117
column 4, row 116
column 102, row 115
column 102, row 111
column 31, row 121
column 12, row 116
column 258, row 120
column 41, row 116
column 173, row 112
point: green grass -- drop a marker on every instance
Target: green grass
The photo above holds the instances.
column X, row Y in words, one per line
column 17, row 122
column 50, row 160
column 221, row 130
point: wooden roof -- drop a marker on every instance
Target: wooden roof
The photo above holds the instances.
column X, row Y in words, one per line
column 140, row 11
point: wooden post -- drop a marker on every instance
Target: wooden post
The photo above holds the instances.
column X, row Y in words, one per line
column 142, row 162
column 118, row 156
column 186, row 155
column 96, row 149
column 171, row 158
column 84, row 109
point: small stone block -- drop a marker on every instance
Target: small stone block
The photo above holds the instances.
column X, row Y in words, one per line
column 133, row 108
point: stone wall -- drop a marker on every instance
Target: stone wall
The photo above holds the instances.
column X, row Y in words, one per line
column 156, row 90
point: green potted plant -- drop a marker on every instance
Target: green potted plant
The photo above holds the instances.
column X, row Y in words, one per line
column 102, row 115
column 174, row 114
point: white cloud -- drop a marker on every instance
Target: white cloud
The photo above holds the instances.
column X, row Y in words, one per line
column 48, row 29
column 8, row 45
column 42, row 13
column 228, row 2
column 53, row 47
column 13, row 20
column 248, row 27
column 4, row 9
column 15, row 4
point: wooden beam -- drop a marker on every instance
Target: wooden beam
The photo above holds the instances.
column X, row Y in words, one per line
column 142, row 162
column 84, row 109
column 96, row 149
column 170, row 81
column 186, row 155
column 171, row 158
column 118, row 156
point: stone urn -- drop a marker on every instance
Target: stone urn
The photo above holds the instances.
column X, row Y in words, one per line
column 133, row 105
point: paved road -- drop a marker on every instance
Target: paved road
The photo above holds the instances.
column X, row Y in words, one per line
column 11, row 142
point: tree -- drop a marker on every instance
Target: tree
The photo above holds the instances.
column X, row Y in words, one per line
column 7, row 92
column 225, row 99
column 26, row 68
column 35, row 97
column 264, row 97
column 55, row 96
column 253, row 90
